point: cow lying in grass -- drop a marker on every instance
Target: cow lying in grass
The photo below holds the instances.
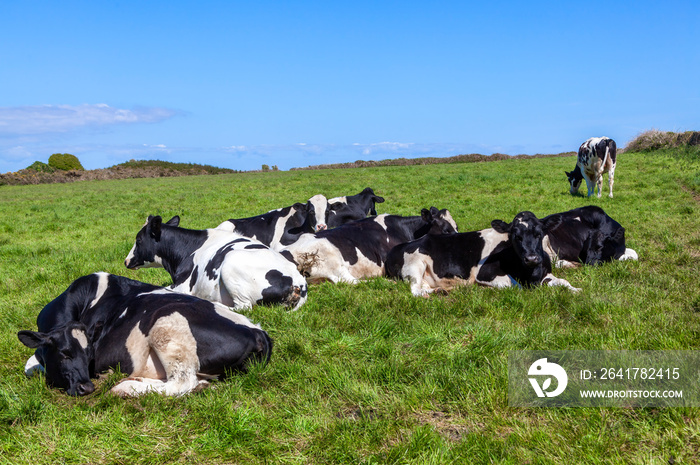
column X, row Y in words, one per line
column 283, row 226
column 585, row 235
column 349, row 208
column 217, row 265
column 167, row 342
column 357, row 250
column 508, row 254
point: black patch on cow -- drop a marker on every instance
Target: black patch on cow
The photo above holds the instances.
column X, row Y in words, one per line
column 263, row 227
column 280, row 288
column 218, row 259
column 193, row 278
column 587, row 234
column 288, row 255
column 256, row 246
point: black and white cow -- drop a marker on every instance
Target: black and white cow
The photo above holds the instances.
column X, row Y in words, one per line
column 167, row 342
column 281, row 227
column 217, row 265
column 357, row 250
column 585, row 235
column 508, row 254
column 596, row 156
column 352, row 208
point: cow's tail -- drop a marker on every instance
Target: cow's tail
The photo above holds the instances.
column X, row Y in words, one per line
column 263, row 347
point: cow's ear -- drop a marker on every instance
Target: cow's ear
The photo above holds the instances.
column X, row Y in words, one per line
column 551, row 222
column 378, row 199
column 425, row 215
column 154, row 223
column 501, row 226
column 31, row 339
column 174, row 221
column 619, row 235
column 567, row 173
column 434, row 212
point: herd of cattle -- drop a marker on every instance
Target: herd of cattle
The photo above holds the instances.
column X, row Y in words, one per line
column 171, row 340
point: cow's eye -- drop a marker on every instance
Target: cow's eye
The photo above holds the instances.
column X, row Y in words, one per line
column 65, row 355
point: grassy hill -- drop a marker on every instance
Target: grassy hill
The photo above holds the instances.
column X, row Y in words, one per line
column 366, row 373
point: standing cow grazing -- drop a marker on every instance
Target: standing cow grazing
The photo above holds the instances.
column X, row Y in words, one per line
column 216, row 265
column 596, row 156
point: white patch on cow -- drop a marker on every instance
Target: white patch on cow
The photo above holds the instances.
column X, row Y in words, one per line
column 552, row 280
column 165, row 360
column 240, row 280
column 523, row 223
column 419, row 270
column 318, row 258
column 343, row 199
column 226, row 226
column 156, row 263
column 123, row 314
column 33, row 366
column 226, row 312
column 629, row 254
column 381, row 220
column 279, row 227
column 102, row 283
column 80, row 336
column 447, row 216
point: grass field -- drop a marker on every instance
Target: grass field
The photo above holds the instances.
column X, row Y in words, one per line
column 366, row 374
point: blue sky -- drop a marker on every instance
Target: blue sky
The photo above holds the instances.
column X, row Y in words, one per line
column 239, row 84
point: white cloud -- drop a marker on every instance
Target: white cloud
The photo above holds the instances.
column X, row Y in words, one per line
column 43, row 119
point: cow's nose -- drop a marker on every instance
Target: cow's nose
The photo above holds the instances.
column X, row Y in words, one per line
column 321, row 227
column 533, row 260
column 126, row 263
column 85, row 388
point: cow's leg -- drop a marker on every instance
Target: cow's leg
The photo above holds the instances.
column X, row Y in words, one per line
column 500, row 282
column 413, row 272
column 611, row 178
column 566, row 264
column 599, row 183
column 552, row 280
column 629, row 254
column 172, row 341
column 589, row 184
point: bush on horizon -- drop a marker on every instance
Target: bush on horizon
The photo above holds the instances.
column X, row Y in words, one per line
column 65, row 162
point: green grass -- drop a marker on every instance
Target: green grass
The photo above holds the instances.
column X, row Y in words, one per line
column 365, row 374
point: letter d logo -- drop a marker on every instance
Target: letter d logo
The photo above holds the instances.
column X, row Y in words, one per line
column 542, row 368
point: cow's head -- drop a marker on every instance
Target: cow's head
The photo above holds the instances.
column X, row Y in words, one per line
column 317, row 212
column 67, row 356
column 525, row 234
column 575, row 177
column 144, row 252
column 352, row 208
column 440, row 221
